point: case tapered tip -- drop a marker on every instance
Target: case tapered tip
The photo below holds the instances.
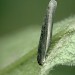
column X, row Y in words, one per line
column 53, row 3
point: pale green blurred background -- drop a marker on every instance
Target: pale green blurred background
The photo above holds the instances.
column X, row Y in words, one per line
column 15, row 14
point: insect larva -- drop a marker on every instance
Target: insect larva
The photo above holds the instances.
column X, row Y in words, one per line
column 46, row 32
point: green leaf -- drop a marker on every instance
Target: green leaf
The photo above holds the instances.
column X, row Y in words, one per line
column 18, row 51
column 62, row 51
column 17, row 48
